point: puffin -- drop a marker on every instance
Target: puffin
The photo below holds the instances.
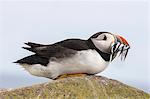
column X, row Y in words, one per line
column 74, row 56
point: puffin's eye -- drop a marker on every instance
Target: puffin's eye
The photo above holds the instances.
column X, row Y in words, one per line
column 105, row 38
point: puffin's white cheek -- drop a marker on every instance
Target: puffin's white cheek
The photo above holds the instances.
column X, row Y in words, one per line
column 101, row 45
column 98, row 44
column 104, row 46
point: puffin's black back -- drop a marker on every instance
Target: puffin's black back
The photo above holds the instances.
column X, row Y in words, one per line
column 44, row 53
column 63, row 49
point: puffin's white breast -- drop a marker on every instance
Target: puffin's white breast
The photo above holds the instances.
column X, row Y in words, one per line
column 87, row 61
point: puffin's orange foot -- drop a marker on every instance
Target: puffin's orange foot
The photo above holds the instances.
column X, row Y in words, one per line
column 70, row 75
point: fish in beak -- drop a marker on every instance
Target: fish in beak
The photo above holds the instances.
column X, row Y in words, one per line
column 121, row 46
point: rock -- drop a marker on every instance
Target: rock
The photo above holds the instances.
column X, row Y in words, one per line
column 3, row 90
column 83, row 87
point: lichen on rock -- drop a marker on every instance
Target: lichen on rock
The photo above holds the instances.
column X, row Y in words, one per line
column 84, row 87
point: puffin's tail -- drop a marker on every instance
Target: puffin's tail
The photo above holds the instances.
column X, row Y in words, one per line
column 34, row 44
column 33, row 59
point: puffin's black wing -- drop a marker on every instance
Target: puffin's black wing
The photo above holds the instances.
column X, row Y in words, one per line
column 75, row 44
column 45, row 53
column 62, row 49
column 49, row 51
column 63, row 46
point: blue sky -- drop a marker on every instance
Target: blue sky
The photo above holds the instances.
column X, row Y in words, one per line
column 51, row 21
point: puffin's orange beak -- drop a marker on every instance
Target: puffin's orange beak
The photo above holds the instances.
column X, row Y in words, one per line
column 122, row 40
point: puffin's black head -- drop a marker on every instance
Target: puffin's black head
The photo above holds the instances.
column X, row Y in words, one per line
column 110, row 44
